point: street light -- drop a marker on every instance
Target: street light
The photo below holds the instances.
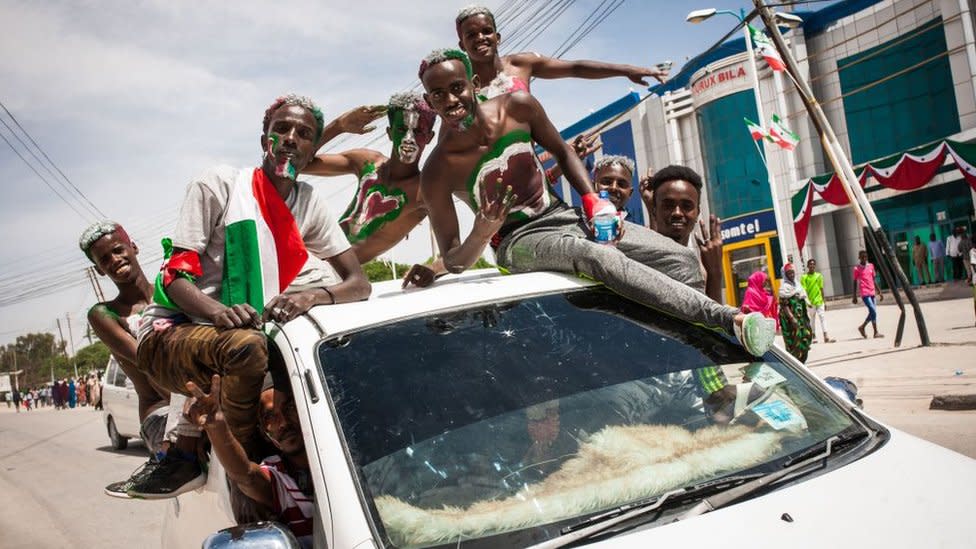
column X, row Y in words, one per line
column 788, row 20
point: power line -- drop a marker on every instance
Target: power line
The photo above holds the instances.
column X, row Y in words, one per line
column 51, row 162
column 46, row 182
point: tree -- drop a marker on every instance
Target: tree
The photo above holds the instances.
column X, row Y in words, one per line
column 377, row 271
column 92, row 357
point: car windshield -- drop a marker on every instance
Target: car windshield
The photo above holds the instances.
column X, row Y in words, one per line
column 511, row 419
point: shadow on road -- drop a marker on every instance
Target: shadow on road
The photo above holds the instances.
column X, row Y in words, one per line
column 134, row 449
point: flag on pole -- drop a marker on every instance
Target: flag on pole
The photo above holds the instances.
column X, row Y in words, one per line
column 757, row 131
column 765, row 48
column 781, row 135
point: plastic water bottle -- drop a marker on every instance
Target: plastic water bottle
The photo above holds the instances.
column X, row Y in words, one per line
column 605, row 223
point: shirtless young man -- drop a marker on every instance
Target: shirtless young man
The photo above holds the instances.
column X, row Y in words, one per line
column 387, row 203
column 498, row 74
column 487, row 159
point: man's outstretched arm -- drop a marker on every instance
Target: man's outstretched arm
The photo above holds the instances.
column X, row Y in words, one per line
column 549, row 67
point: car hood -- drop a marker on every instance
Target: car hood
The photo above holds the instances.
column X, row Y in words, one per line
column 908, row 493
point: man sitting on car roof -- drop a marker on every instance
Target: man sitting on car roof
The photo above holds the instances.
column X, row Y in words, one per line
column 242, row 238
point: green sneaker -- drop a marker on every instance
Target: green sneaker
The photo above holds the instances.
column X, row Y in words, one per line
column 756, row 334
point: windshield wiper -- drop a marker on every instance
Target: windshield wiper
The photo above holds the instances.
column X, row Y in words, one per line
column 604, row 521
column 724, row 498
column 841, row 440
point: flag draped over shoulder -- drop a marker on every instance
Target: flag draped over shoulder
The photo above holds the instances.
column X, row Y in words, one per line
column 263, row 250
column 765, row 48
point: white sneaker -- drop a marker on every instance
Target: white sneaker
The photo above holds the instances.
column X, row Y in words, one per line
column 756, row 334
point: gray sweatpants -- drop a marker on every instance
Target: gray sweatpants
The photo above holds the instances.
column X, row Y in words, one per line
column 644, row 267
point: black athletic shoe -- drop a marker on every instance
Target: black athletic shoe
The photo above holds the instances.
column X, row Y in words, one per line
column 172, row 477
column 119, row 489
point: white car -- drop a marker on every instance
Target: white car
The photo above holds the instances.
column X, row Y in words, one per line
column 120, row 406
column 510, row 411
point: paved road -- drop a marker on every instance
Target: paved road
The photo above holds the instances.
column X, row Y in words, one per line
column 897, row 384
column 53, row 465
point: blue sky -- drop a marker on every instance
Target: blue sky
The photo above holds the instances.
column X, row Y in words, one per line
column 133, row 99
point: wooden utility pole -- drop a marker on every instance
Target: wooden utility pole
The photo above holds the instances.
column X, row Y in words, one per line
column 71, row 341
column 874, row 234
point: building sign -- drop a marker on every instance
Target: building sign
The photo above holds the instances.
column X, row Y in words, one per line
column 5, row 383
column 716, row 81
column 748, row 226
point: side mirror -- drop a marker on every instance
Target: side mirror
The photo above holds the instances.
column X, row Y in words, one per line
column 264, row 535
column 845, row 388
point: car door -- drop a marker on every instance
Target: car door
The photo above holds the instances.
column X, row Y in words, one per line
column 121, row 399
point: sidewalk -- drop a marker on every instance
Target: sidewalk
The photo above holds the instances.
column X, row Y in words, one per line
column 897, row 384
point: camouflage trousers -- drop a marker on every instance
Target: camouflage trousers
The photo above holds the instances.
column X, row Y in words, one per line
column 194, row 352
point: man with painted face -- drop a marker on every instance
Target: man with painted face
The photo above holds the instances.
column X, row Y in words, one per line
column 498, row 74
column 242, row 237
column 487, row 159
column 675, row 208
column 387, row 204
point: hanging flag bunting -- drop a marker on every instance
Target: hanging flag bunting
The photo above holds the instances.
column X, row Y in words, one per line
column 802, row 203
column 765, row 48
column 964, row 155
column 905, row 171
column 757, row 131
column 781, row 135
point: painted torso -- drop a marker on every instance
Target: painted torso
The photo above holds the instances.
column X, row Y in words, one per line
column 511, row 161
column 375, row 204
column 502, row 84
column 129, row 323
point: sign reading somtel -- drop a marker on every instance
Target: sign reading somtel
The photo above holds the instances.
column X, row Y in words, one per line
column 746, row 227
column 719, row 79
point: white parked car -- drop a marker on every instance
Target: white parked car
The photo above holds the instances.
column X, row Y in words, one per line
column 120, row 406
column 509, row 411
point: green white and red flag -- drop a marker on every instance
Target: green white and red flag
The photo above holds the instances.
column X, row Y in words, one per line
column 781, row 135
column 263, row 250
column 764, row 47
column 757, row 131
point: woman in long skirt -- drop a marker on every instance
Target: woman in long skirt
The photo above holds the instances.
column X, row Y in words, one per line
column 794, row 321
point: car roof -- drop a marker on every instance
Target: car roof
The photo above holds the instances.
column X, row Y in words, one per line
column 389, row 302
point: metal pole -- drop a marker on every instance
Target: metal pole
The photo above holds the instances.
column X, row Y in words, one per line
column 71, row 340
column 774, row 194
column 845, row 172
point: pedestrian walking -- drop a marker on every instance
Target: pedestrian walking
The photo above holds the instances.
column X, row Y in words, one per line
column 793, row 316
column 15, row 395
column 965, row 245
column 813, row 283
column 920, row 255
column 955, row 255
column 864, row 284
column 972, row 279
column 937, row 253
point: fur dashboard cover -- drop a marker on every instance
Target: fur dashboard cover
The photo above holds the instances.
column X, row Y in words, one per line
column 617, row 465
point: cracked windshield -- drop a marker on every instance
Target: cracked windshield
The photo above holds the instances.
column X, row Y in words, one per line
column 503, row 419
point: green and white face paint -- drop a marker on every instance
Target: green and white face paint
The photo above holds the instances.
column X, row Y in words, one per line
column 404, row 134
column 283, row 167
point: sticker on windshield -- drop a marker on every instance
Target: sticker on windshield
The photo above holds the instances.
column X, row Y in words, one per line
column 763, row 375
column 778, row 414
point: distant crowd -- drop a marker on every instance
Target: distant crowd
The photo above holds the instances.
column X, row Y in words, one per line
column 65, row 393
